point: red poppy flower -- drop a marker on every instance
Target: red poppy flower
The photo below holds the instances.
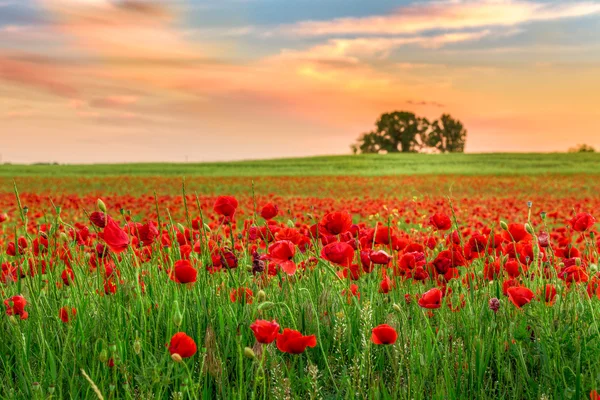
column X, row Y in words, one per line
column 549, row 294
column 516, row 233
column 68, row 276
column 519, row 295
column 384, row 334
column 386, row 284
column 225, row 206
column 282, row 253
column 241, row 294
column 582, row 222
column 67, row 314
column 147, row 233
column 431, row 299
column 440, row 221
column 293, row 342
column 183, row 345
column 269, row 211
column 265, row 331
column 115, row 237
column 352, row 291
column 183, row 272
column 513, row 268
column 16, row 306
column 340, row 253
column 99, row 219
column 336, row 222
column 379, row 257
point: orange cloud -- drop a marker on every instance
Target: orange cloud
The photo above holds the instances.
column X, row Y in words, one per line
column 35, row 74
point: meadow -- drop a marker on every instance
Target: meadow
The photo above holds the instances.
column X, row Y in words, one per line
column 397, row 276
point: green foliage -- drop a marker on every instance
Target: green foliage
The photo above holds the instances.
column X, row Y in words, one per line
column 582, row 148
column 364, row 165
column 447, row 135
column 403, row 131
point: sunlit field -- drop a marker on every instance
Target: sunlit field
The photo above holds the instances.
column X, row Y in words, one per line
column 405, row 276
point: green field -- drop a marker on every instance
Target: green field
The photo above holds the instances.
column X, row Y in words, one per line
column 364, row 165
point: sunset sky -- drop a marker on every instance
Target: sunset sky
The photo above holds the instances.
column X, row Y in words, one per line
column 116, row 81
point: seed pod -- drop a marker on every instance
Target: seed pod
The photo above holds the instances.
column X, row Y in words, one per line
column 261, row 296
column 248, row 352
column 101, row 205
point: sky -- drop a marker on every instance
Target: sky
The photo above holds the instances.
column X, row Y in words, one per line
column 85, row 81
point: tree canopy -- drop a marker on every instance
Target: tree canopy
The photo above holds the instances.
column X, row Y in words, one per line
column 403, row 131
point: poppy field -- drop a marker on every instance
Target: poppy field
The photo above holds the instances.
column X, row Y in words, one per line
column 310, row 287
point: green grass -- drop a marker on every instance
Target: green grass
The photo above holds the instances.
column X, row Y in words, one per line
column 364, row 165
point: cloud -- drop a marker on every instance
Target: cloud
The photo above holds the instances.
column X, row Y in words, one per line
column 117, row 101
column 445, row 15
column 351, row 51
column 35, row 74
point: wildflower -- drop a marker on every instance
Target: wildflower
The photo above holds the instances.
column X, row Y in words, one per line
column 182, row 345
column 431, row 299
column 265, row 331
column 16, row 306
column 183, row 272
column 494, row 304
column 67, row 314
column 269, row 211
column 440, row 221
column 519, row 295
column 293, row 342
column 582, row 222
column 225, row 206
column 384, row 334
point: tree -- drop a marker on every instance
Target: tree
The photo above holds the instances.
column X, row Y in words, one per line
column 447, row 135
column 398, row 131
column 368, row 142
column 403, row 131
column 582, row 148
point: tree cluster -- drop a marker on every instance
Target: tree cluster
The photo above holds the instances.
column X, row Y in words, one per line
column 404, row 132
column 582, row 148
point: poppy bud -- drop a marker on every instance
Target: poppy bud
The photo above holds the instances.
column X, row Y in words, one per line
column 578, row 262
column 103, row 356
column 504, row 225
column 13, row 319
column 290, row 223
column 101, row 205
column 64, row 237
column 176, row 357
column 261, row 296
column 206, row 227
column 248, row 352
column 177, row 316
column 112, row 347
column 529, row 228
column 181, row 228
column 397, row 307
column 137, row 346
column 494, row 304
column 266, row 306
